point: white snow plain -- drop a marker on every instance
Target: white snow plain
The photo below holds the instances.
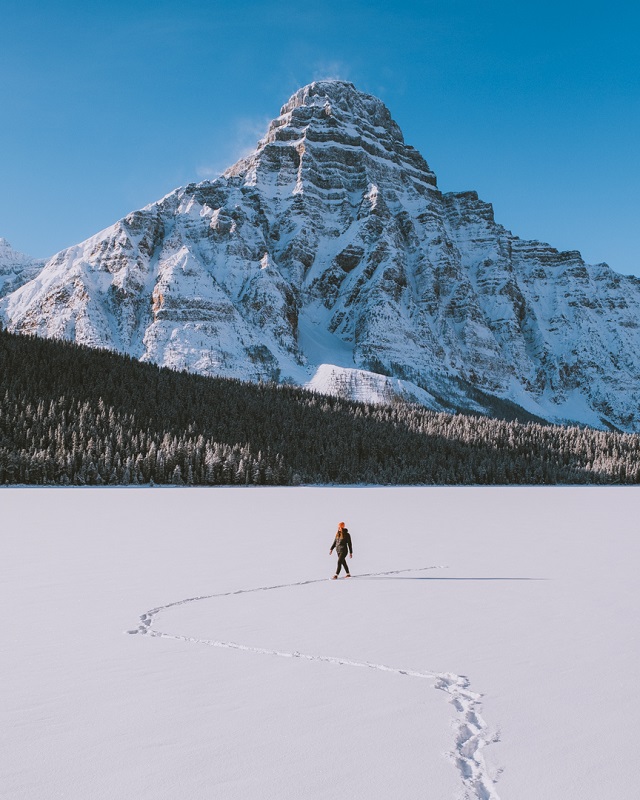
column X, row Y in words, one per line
column 492, row 654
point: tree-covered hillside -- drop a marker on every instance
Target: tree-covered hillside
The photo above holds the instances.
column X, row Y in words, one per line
column 73, row 415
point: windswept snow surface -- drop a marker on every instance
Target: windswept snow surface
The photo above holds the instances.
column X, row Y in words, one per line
column 487, row 647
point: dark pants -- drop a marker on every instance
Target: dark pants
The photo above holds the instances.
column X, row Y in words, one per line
column 342, row 562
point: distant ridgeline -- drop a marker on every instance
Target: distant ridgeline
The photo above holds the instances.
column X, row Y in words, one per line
column 74, row 415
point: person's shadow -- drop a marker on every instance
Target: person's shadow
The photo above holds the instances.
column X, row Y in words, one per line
column 398, row 578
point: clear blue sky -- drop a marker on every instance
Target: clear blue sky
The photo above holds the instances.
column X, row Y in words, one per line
column 105, row 107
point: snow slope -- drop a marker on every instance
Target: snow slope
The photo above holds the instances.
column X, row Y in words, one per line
column 491, row 654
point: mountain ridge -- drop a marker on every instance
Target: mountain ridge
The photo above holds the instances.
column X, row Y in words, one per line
column 329, row 258
column 16, row 268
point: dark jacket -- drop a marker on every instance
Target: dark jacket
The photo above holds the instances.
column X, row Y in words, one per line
column 343, row 544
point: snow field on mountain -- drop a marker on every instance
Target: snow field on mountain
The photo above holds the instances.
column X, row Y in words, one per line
column 486, row 648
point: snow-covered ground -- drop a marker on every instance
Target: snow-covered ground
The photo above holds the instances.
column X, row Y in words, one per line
column 490, row 651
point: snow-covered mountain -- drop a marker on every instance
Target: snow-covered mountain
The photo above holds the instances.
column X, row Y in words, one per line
column 16, row 268
column 329, row 258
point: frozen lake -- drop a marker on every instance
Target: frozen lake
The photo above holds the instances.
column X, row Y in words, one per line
column 487, row 646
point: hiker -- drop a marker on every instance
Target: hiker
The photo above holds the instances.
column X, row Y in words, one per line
column 342, row 543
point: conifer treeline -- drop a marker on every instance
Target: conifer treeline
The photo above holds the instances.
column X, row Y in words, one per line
column 73, row 415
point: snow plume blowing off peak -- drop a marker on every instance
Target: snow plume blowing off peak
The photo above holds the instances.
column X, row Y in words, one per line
column 329, row 258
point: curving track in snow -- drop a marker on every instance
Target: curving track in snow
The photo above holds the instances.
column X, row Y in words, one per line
column 472, row 732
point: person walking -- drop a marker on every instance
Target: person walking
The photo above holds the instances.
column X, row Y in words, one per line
column 342, row 544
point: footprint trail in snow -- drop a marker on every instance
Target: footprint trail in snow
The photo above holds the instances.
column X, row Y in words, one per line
column 472, row 732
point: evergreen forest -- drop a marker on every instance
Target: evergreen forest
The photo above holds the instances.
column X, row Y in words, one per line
column 71, row 415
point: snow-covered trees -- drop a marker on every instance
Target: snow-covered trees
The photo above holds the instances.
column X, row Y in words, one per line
column 71, row 415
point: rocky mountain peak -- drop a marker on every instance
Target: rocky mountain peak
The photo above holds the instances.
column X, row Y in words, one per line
column 337, row 97
column 10, row 256
column 329, row 258
column 331, row 126
column 15, row 268
column 6, row 251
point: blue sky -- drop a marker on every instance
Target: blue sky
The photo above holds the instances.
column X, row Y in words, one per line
column 105, row 107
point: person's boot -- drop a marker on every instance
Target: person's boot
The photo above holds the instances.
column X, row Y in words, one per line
column 334, row 577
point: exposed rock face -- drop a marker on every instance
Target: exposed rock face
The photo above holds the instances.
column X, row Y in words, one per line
column 330, row 254
column 16, row 268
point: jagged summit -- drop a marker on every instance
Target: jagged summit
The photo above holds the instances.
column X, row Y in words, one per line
column 13, row 257
column 7, row 252
column 15, row 268
column 328, row 120
column 338, row 96
column 329, row 258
